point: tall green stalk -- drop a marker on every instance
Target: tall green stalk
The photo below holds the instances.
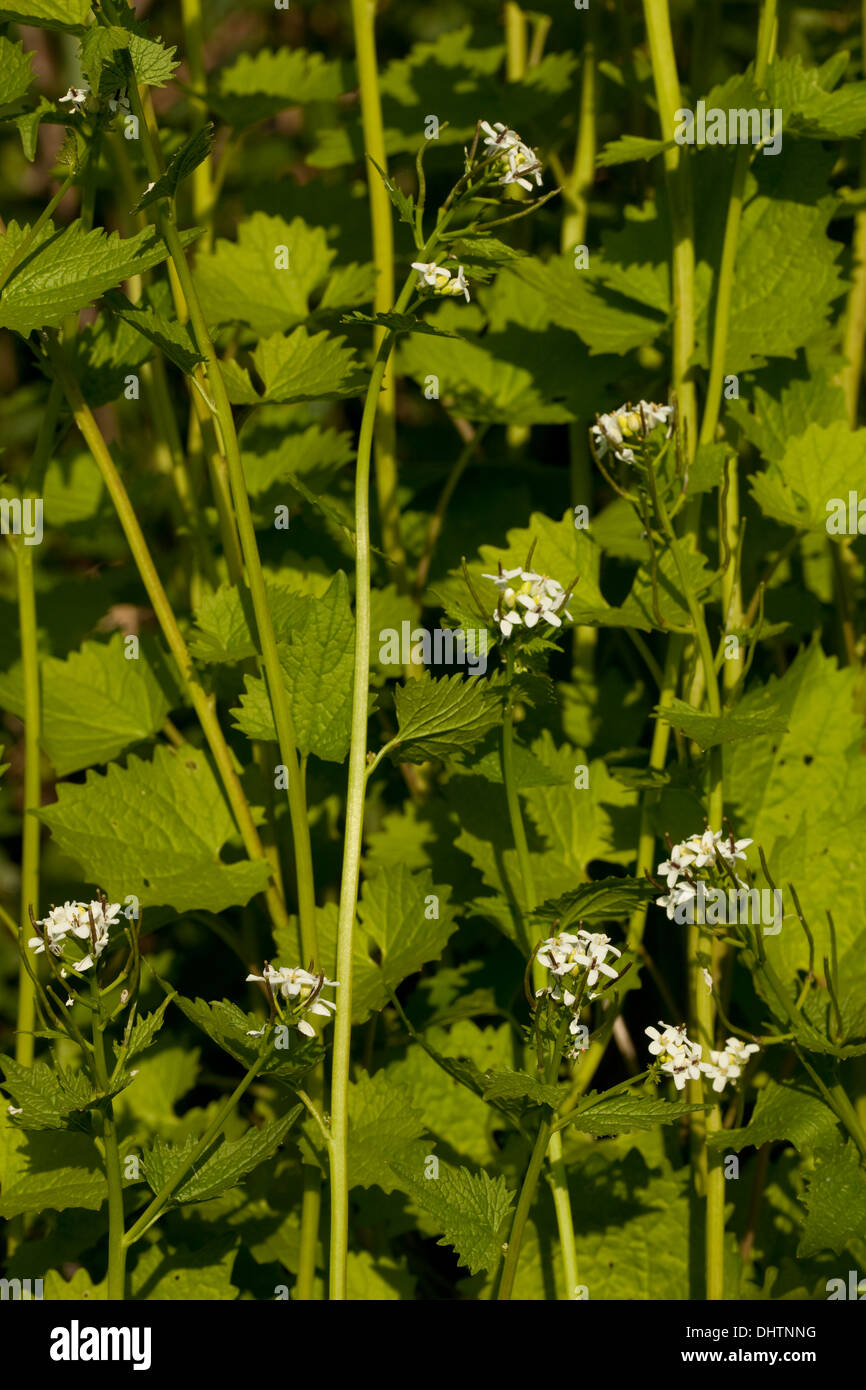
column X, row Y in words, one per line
column 725, row 286
column 202, row 703
column 111, row 1153
column 667, row 90
column 855, row 315
column 553, row 1146
column 382, row 227
column 255, row 575
column 26, row 1020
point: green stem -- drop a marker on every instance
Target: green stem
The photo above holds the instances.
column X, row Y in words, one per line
column 202, row 189
column 558, row 1174
column 515, row 42
column 521, row 1215
column 582, row 176
column 18, row 256
column 725, row 287
column 382, row 228
column 667, row 89
column 113, row 1173
column 154, row 1209
column 255, row 575
column 353, row 834
column 202, row 703
column 26, row 1020
column 515, row 815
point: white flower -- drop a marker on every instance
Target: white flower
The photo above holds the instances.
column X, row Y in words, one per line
column 679, row 1056
column 522, row 161
column 699, row 851
column 628, row 422
column 557, row 953
column 86, row 921
column 499, row 136
column 537, row 594
column 120, row 101
column 683, row 1066
column 675, row 898
column 13, row 1110
column 440, row 280
column 597, row 947
column 76, row 96
column 681, row 859
column 672, row 1037
column 737, row 1048
column 458, row 285
column 518, row 161
column 722, row 1068
column 301, row 988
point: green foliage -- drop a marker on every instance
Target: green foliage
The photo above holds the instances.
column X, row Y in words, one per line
column 194, row 423
column 154, row 829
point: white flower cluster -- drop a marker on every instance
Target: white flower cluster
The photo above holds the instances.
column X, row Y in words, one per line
column 518, row 161
column 76, row 98
column 89, row 922
column 628, row 423
column 697, row 852
column 440, row 280
column 301, row 989
column 682, row 1059
column 566, row 955
column 537, row 594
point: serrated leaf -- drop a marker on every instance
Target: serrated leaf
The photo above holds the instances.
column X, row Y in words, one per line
column 444, row 718
column 175, row 340
column 47, row 14
column 395, row 935
column 155, row 829
column 225, row 622
column 404, row 203
column 709, row 730
column 108, row 50
column 16, row 72
column 602, row 900
column 66, row 270
column 223, row 1167
column 518, row 1085
column 399, row 323
column 383, row 1126
column 94, row 704
column 166, row 1273
column 145, row 1031
column 819, row 467
column 318, row 668
column 623, row 1114
column 629, row 148
column 231, row 1029
column 801, row 795
column 297, row 367
column 471, row 1209
column 259, row 85
column 47, row 1098
column 480, row 385
column 810, row 109
column 791, row 1111
column 40, row 1171
column 836, row 1202
column 241, row 280
column 183, row 162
